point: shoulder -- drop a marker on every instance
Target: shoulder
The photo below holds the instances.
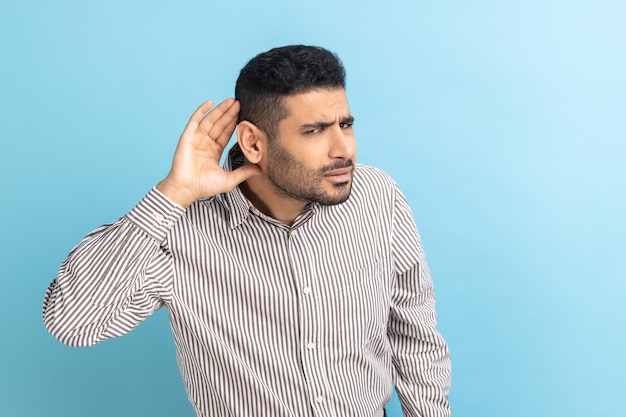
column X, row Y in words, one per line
column 372, row 174
column 373, row 190
column 373, row 181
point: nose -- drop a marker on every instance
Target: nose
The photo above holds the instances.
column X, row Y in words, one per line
column 342, row 144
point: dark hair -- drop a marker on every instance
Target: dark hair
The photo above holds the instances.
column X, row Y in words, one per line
column 270, row 76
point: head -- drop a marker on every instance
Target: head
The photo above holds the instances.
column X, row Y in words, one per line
column 271, row 76
column 295, row 123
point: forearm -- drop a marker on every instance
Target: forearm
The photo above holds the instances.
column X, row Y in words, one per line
column 114, row 278
column 421, row 355
column 421, row 358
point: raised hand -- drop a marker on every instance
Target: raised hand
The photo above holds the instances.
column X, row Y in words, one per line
column 196, row 172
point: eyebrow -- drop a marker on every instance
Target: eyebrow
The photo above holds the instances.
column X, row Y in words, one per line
column 324, row 125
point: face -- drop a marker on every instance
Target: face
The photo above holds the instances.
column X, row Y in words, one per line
column 312, row 158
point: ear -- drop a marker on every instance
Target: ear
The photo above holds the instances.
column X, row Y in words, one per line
column 252, row 141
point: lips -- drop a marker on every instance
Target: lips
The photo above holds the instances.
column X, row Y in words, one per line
column 339, row 175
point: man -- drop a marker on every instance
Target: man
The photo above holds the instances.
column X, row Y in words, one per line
column 295, row 280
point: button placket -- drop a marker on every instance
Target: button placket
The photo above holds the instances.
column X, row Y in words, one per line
column 302, row 271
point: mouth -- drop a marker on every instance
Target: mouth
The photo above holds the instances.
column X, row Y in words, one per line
column 338, row 176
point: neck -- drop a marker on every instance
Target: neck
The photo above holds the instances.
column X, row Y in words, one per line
column 270, row 201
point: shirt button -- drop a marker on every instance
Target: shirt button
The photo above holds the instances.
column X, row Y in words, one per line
column 320, row 399
column 310, row 346
column 306, row 290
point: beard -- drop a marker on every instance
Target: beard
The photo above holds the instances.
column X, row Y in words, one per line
column 293, row 179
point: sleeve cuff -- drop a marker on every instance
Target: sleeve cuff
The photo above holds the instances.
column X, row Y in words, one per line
column 156, row 214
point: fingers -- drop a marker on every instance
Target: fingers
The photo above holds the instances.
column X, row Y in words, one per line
column 223, row 127
column 218, row 112
column 218, row 123
column 197, row 116
column 222, row 112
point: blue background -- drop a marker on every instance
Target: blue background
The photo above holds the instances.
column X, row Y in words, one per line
column 502, row 121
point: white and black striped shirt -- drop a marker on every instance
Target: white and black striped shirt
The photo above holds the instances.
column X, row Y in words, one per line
column 315, row 319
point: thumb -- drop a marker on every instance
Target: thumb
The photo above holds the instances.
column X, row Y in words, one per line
column 241, row 174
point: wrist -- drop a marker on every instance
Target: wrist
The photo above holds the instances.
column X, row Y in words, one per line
column 179, row 195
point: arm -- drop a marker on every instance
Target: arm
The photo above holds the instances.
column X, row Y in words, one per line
column 115, row 278
column 420, row 354
column 120, row 274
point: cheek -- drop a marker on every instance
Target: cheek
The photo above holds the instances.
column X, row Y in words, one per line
column 311, row 157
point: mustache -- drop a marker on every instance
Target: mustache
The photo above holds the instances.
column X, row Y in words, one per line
column 337, row 165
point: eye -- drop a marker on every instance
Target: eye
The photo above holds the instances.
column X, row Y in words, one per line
column 346, row 125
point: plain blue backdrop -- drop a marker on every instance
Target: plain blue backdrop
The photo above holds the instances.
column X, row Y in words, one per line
column 502, row 121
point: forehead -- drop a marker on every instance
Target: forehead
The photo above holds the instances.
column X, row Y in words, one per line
column 317, row 105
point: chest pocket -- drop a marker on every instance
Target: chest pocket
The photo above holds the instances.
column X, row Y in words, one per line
column 359, row 308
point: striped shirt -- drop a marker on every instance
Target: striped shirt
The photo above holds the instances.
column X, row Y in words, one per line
column 319, row 318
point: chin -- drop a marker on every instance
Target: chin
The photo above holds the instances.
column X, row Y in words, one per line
column 337, row 198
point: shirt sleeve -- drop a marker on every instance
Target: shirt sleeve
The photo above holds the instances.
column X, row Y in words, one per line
column 114, row 278
column 420, row 354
